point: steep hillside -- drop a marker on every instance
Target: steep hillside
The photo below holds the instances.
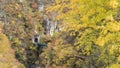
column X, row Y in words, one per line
column 60, row 33
column 7, row 59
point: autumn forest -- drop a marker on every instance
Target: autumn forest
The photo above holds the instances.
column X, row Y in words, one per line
column 59, row 33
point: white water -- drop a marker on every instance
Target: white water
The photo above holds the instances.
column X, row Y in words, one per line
column 41, row 7
column 50, row 26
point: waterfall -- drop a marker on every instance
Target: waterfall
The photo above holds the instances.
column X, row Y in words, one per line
column 50, row 23
column 41, row 7
column 50, row 26
column 20, row 1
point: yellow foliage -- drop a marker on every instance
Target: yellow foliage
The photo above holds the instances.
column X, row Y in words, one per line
column 119, row 58
column 111, row 50
column 113, row 4
column 7, row 59
column 1, row 27
column 100, row 41
column 110, row 18
column 113, row 26
column 115, row 66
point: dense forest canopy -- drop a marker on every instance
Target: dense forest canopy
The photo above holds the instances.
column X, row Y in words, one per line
column 63, row 33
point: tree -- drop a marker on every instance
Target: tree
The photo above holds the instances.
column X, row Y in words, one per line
column 22, row 20
column 89, row 36
column 7, row 58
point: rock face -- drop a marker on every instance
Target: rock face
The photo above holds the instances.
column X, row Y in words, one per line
column 7, row 58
